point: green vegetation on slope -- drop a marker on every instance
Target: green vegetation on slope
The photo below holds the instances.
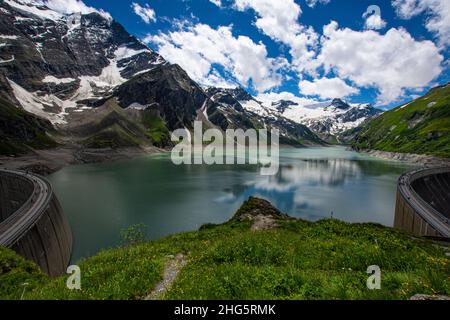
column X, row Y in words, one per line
column 327, row 259
column 156, row 127
column 110, row 126
column 421, row 127
column 17, row 274
column 21, row 130
column 112, row 137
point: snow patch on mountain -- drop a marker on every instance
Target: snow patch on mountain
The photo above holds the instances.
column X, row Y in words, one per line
column 33, row 8
column 52, row 79
column 255, row 107
column 124, row 52
column 8, row 60
column 55, row 109
column 137, row 106
column 142, row 72
column 4, row 37
column 73, row 23
column 32, row 102
column 96, row 87
column 110, row 76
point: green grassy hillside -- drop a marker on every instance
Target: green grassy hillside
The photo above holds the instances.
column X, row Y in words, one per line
column 421, row 127
column 110, row 126
column 294, row 259
column 20, row 130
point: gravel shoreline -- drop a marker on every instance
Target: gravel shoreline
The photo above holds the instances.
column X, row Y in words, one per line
column 427, row 161
column 46, row 162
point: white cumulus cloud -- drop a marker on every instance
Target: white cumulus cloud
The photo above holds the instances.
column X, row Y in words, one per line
column 327, row 88
column 391, row 62
column 374, row 22
column 438, row 11
column 146, row 13
column 277, row 19
column 202, row 51
column 216, row 2
column 280, row 21
column 312, row 3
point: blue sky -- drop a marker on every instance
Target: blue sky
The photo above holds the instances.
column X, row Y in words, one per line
column 280, row 49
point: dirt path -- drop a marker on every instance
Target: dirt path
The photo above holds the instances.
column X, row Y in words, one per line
column 171, row 271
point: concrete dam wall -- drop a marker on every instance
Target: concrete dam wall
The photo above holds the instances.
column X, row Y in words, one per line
column 423, row 203
column 32, row 222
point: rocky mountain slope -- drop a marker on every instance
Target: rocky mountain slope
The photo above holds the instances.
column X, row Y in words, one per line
column 420, row 127
column 167, row 89
column 236, row 108
column 56, row 64
column 76, row 71
column 329, row 119
column 20, row 130
column 110, row 126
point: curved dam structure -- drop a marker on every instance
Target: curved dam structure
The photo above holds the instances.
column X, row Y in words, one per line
column 32, row 222
column 423, row 203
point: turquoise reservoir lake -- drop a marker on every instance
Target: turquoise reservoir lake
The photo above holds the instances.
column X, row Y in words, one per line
column 102, row 199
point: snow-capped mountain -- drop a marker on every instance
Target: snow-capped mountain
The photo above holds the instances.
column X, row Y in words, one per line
column 62, row 66
column 54, row 64
column 236, row 108
column 326, row 119
column 102, row 88
column 329, row 119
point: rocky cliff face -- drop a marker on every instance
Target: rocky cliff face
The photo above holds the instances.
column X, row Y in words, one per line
column 168, row 89
column 56, row 64
column 226, row 112
column 44, row 42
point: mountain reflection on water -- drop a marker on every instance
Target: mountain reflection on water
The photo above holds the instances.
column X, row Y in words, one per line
column 102, row 199
column 353, row 189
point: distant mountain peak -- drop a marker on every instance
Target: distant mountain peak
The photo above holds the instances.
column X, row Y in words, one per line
column 339, row 104
column 239, row 93
column 236, row 108
column 328, row 119
column 282, row 105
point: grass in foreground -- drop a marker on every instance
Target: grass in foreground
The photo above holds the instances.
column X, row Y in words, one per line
column 327, row 259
